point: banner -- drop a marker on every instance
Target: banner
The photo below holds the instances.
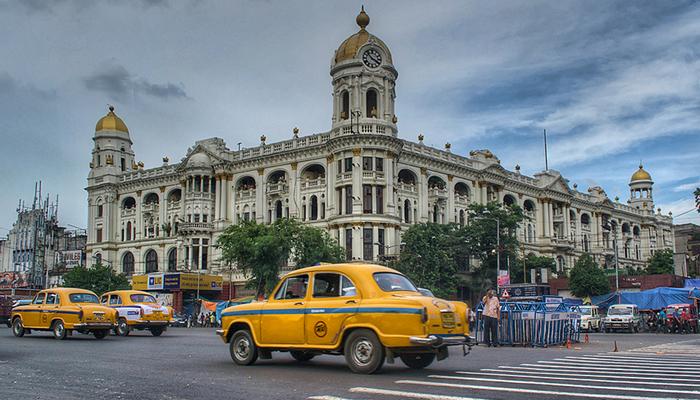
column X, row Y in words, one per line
column 504, row 279
column 177, row 281
column 70, row 258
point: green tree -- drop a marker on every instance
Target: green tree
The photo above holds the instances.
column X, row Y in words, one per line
column 479, row 239
column 98, row 278
column 520, row 272
column 259, row 250
column 661, row 262
column 429, row 257
column 587, row 278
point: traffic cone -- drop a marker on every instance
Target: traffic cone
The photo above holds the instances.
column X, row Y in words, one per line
column 585, row 339
column 568, row 344
column 615, row 350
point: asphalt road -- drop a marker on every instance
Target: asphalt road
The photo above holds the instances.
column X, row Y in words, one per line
column 194, row 364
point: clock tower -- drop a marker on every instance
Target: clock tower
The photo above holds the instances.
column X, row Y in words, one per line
column 364, row 80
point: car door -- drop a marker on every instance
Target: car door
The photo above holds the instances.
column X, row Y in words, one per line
column 32, row 317
column 282, row 319
column 334, row 299
column 49, row 310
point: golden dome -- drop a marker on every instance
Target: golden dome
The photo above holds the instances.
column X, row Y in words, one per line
column 111, row 122
column 348, row 49
column 640, row 175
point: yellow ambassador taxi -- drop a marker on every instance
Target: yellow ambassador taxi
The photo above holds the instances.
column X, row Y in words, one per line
column 137, row 310
column 62, row 311
column 368, row 313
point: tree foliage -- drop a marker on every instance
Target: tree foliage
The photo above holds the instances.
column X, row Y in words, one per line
column 259, row 250
column 661, row 262
column 98, row 278
column 587, row 278
column 434, row 253
column 430, row 257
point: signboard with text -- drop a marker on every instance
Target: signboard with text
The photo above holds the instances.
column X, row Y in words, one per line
column 177, row 281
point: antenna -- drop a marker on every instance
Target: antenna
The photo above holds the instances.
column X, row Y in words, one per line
column 546, row 162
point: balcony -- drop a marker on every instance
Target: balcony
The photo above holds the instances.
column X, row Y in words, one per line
column 199, row 196
column 310, row 184
column 562, row 243
column 343, row 179
column 245, row 194
column 191, row 227
column 437, row 192
column 406, row 188
column 128, row 212
column 372, row 175
column 278, row 188
column 461, row 199
column 150, row 208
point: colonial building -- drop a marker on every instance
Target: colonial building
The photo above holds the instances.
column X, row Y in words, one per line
column 359, row 181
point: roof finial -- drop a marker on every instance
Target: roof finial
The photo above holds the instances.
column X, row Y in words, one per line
column 362, row 18
column 111, row 108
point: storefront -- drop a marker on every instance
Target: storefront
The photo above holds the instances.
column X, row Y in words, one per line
column 180, row 288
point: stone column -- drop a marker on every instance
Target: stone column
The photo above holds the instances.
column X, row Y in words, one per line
column 224, row 197
column 163, row 211
column 422, row 197
column 261, row 189
column 217, row 198
column 357, row 230
column 550, row 219
column 540, row 223
column 450, row 212
column 357, row 192
column 294, row 192
column 331, row 200
column 389, row 200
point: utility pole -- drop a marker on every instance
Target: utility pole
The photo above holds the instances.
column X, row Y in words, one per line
column 546, row 162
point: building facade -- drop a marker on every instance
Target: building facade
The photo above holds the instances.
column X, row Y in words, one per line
column 687, row 255
column 359, row 181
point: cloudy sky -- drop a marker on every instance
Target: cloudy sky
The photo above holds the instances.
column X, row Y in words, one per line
column 612, row 82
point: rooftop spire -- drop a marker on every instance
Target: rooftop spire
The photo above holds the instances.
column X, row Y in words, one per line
column 362, row 18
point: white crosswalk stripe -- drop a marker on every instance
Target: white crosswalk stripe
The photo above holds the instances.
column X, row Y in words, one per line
column 615, row 376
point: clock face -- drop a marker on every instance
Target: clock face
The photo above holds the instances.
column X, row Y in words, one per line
column 372, row 58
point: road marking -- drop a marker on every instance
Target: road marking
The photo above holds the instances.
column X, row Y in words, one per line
column 525, row 374
column 571, row 385
column 590, row 374
column 605, row 361
column 534, row 391
column 627, row 360
column 326, row 398
column 660, row 369
column 410, row 395
column 540, row 367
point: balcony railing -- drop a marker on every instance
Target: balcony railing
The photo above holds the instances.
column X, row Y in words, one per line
column 437, row 192
column 313, row 183
column 277, row 188
column 195, row 227
column 406, row 187
column 150, row 207
column 199, row 196
column 243, row 194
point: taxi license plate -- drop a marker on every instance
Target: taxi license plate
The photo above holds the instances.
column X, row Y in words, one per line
column 448, row 319
column 99, row 317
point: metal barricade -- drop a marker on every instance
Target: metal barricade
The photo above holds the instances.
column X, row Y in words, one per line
column 533, row 324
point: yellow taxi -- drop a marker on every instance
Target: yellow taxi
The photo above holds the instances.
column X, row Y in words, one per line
column 368, row 313
column 137, row 310
column 62, row 311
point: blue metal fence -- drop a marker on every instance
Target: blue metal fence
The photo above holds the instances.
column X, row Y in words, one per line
column 534, row 324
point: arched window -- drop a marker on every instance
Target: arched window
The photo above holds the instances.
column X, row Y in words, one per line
column 462, row 191
column 372, row 110
column 585, row 219
column 128, row 263
column 128, row 203
column 128, row 230
column 529, row 233
column 461, row 217
column 151, row 198
column 174, row 196
column 314, row 208
column 98, row 259
column 345, row 105
column 172, row 260
column 508, row 200
column 529, row 206
column 561, row 264
column 151, row 261
column 435, row 213
column 407, row 211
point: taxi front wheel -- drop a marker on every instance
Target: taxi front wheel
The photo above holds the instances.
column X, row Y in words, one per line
column 122, row 328
column 17, row 328
column 364, row 352
column 101, row 334
column 156, row 331
column 59, row 330
column 243, row 349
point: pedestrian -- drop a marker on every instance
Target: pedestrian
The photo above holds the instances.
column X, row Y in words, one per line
column 661, row 321
column 212, row 320
column 491, row 316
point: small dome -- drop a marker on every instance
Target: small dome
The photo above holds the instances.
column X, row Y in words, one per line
column 348, row 49
column 199, row 160
column 111, row 122
column 640, row 175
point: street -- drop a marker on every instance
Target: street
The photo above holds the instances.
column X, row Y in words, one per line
column 194, row 363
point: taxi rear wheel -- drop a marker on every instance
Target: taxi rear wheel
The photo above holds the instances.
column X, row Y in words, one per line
column 157, row 331
column 101, row 334
column 364, row 352
column 302, row 356
column 417, row 360
column 59, row 330
column 243, row 349
column 122, row 328
column 17, row 328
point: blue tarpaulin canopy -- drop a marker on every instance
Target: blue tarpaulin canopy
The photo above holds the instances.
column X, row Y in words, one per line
column 653, row 299
column 692, row 283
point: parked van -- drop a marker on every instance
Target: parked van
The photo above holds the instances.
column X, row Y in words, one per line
column 590, row 318
column 622, row 317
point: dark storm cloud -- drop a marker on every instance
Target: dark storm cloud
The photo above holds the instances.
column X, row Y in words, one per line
column 120, row 84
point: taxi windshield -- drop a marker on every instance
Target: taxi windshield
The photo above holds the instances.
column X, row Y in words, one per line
column 586, row 310
column 83, row 298
column 142, row 298
column 620, row 311
column 392, row 282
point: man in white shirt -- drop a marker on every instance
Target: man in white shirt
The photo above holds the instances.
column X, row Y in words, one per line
column 491, row 316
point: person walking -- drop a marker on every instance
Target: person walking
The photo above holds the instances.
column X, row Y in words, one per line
column 491, row 316
column 212, row 320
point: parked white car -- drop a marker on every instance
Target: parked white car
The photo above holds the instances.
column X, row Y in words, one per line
column 590, row 318
column 622, row 317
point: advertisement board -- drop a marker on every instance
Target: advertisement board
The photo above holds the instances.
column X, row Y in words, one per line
column 70, row 258
column 177, row 281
